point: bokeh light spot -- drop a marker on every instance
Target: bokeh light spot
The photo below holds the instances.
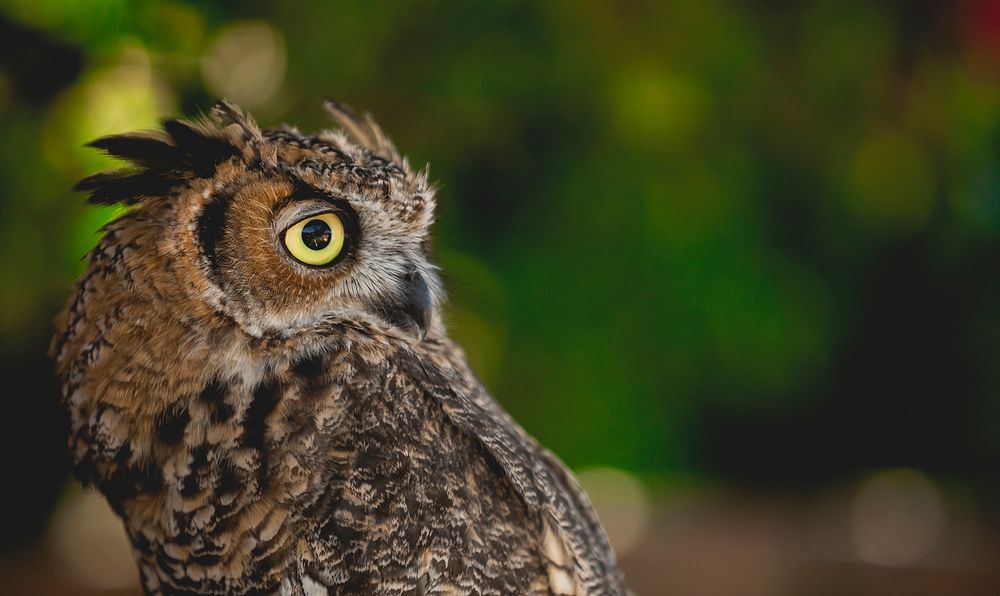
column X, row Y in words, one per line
column 897, row 517
column 891, row 181
column 622, row 503
column 246, row 63
column 89, row 538
column 659, row 107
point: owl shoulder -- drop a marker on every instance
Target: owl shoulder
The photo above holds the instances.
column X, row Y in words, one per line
column 541, row 480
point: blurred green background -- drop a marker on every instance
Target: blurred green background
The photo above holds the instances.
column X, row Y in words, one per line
column 752, row 246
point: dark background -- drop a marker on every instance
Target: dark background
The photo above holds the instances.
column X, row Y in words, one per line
column 736, row 262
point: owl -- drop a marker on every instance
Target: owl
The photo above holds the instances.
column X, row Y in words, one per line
column 259, row 381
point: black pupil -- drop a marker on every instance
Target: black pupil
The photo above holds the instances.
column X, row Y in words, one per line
column 316, row 234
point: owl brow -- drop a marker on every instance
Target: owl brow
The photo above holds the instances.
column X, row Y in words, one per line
column 303, row 191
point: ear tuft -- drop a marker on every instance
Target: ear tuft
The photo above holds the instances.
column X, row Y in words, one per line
column 163, row 159
column 230, row 116
column 202, row 145
column 363, row 131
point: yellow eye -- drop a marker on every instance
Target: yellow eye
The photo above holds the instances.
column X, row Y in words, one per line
column 316, row 240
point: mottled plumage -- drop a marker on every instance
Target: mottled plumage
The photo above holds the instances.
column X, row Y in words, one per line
column 266, row 426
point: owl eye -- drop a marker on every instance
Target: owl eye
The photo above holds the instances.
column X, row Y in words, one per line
column 316, row 240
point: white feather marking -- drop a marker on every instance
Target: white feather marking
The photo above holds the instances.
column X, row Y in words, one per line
column 311, row 587
column 560, row 566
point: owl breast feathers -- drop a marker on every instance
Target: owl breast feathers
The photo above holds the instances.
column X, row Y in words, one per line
column 259, row 382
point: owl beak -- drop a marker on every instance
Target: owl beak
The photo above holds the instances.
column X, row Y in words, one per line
column 418, row 305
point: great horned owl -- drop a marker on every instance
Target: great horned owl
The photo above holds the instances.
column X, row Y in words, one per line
column 258, row 380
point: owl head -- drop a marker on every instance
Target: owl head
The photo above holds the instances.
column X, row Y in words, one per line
column 272, row 230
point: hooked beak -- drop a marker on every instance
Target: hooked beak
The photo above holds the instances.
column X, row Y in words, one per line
column 417, row 308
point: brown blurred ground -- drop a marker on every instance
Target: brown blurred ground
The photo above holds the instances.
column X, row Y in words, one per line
column 703, row 544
